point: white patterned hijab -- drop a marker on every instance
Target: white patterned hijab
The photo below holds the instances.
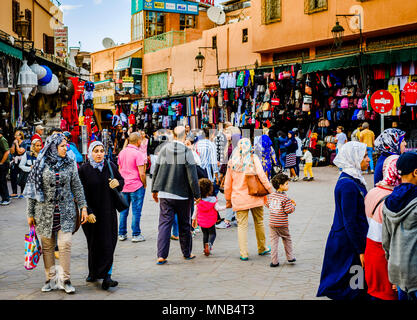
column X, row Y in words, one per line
column 349, row 159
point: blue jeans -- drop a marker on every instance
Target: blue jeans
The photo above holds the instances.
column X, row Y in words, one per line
column 370, row 155
column 282, row 159
column 402, row 295
column 175, row 226
column 136, row 198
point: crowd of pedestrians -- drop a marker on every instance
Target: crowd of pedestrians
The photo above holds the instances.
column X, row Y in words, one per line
column 371, row 230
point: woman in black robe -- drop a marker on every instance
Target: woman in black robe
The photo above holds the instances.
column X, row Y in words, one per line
column 101, row 232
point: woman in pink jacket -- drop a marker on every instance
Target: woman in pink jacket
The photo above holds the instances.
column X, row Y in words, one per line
column 236, row 193
column 376, row 268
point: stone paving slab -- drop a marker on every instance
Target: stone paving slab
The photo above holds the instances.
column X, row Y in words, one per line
column 220, row 276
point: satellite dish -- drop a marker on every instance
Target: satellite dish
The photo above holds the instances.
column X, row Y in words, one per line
column 216, row 15
column 108, row 43
column 354, row 23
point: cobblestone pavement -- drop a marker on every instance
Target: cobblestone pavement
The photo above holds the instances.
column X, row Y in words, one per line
column 219, row 276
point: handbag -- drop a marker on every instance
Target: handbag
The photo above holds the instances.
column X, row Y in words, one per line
column 255, row 186
column 120, row 201
column 33, row 249
column 265, row 106
column 77, row 218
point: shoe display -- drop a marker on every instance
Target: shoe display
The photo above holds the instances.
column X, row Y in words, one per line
column 223, row 225
column 49, row 286
column 122, row 237
column 138, row 238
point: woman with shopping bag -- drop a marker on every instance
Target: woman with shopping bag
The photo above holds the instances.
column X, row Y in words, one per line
column 53, row 185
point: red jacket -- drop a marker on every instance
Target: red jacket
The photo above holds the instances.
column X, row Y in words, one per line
column 206, row 213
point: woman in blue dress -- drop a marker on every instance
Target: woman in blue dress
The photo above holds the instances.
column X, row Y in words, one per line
column 266, row 153
column 346, row 242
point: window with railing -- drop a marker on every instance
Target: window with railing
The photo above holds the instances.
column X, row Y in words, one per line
column 393, row 40
column 163, row 41
column 154, row 23
column 48, row 44
column 188, row 21
column 271, row 11
column 313, row 6
column 291, row 55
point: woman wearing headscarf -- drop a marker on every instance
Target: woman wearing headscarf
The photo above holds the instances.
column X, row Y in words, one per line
column 236, row 193
column 291, row 147
column 102, row 234
column 267, row 155
column 346, row 242
column 376, row 266
column 390, row 142
column 28, row 161
column 53, row 185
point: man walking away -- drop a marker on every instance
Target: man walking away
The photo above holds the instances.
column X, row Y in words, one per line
column 368, row 137
column 175, row 185
column 132, row 168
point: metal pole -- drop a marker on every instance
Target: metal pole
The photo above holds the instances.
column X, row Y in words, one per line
column 382, row 122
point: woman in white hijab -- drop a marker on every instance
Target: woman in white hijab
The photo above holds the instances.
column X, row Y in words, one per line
column 344, row 254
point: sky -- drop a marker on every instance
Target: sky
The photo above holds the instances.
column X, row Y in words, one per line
column 90, row 21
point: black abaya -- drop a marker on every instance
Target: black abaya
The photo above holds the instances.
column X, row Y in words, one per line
column 102, row 235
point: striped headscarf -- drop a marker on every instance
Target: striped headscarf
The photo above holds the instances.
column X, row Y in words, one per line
column 390, row 141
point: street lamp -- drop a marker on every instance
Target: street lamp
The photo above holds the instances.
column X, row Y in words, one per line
column 22, row 29
column 338, row 32
column 200, row 60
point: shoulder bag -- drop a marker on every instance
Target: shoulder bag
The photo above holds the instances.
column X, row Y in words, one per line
column 120, row 201
column 255, row 186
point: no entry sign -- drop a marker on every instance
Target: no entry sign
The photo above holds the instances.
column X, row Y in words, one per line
column 382, row 101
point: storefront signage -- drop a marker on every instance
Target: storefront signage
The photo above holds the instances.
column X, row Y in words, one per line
column 209, row 2
column 136, row 71
column 175, row 6
column 61, row 43
column 128, row 79
column 382, row 101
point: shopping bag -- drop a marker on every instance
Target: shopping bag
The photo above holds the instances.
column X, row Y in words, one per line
column 33, row 249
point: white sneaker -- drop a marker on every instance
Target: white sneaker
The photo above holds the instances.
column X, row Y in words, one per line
column 122, row 237
column 138, row 238
column 67, row 286
column 223, row 225
column 49, row 286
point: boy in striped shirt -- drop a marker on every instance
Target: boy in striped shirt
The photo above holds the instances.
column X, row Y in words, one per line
column 280, row 206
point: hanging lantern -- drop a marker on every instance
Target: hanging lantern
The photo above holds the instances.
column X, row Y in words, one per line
column 27, row 79
column 51, row 87
column 47, row 78
column 40, row 71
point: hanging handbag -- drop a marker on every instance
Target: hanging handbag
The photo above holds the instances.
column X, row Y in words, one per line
column 272, row 86
column 265, row 106
column 120, row 201
column 33, row 250
column 255, row 186
column 307, row 99
column 275, row 101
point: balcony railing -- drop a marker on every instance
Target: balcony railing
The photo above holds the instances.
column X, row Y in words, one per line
column 164, row 40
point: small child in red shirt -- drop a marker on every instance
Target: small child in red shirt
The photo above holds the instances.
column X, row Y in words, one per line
column 206, row 214
column 280, row 206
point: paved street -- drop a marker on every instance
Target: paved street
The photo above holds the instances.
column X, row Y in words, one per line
column 220, row 276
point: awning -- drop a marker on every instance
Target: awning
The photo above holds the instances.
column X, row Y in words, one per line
column 331, row 64
column 122, row 64
column 130, row 54
column 10, row 51
column 390, row 56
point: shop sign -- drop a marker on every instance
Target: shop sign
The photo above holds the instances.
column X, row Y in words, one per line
column 61, row 42
column 159, row 5
column 128, row 79
column 175, row 6
column 128, row 85
column 136, row 71
column 382, row 101
column 209, row 2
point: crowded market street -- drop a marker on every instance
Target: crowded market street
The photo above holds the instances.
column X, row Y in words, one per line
column 222, row 274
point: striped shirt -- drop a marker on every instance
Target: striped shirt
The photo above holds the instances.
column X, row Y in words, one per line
column 280, row 206
column 208, row 154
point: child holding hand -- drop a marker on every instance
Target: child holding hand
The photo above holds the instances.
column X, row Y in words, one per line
column 280, row 206
column 206, row 214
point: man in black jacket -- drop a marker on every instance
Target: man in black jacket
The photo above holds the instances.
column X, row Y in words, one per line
column 175, row 186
